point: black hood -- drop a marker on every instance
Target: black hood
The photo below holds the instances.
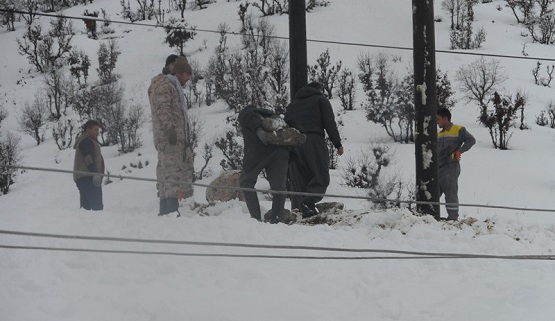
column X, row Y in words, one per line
column 307, row 91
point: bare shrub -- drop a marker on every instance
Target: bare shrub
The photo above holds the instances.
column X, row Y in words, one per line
column 90, row 24
column 34, row 118
column 542, row 28
column 10, row 154
column 542, row 120
column 346, row 89
column 201, row 4
column 49, row 50
column 30, row 8
column 145, row 10
column 479, row 80
column 543, row 81
column 79, row 64
column 207, row 156
column 332, row 151
column 271, row 7
column 8, row 16
column 62, row 132
column 524, row 7
column 57, row 93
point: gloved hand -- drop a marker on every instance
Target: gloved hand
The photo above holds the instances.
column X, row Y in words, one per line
column 172, row 135
column 271, row 124
column 264, row 136
column 340, row 151
column 457, row 155
column 97, row 180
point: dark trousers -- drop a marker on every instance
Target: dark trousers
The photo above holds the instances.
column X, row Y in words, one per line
column 90, row 195
column 275, row 165
column 309, row 172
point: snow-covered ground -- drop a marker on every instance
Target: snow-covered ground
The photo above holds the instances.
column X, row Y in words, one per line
column 67, row 285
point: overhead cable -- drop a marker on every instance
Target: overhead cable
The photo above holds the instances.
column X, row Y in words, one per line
column 324, row 41
column 371, row 199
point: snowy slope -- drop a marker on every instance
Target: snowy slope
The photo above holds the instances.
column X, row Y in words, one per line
column 64, row 285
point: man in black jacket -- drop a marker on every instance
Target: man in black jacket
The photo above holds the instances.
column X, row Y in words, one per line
column 260, row 155
column 312, row 114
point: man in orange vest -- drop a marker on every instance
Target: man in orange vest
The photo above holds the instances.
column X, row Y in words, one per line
column 452, row 141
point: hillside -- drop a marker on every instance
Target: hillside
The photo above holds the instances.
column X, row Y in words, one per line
column 72, row 285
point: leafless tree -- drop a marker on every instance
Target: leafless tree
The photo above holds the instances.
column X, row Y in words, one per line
column 34, row 118
column 479, row 80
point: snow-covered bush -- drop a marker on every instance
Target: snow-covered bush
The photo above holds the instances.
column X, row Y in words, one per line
column 324, row 73
column 501, row 118
column 256, row 75
column 107, row 59
column 178, row 33
column 388, row 100
column 366, row 172
column 232, row 149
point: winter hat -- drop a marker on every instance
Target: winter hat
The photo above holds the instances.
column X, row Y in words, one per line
column 171, row 59
column 182, row 65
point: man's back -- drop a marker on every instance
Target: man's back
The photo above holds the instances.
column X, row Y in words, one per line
column 311, row 113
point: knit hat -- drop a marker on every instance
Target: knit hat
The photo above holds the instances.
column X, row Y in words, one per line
column 171, row 59
column 182, row 65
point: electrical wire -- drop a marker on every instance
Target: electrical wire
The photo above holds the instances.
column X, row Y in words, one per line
column 323, row 41
column 371, row 199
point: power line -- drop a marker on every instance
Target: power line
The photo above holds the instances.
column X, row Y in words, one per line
column 341, row 43
column 221, row 255
column 371, row 199
column 222, row 244
column 293, row 257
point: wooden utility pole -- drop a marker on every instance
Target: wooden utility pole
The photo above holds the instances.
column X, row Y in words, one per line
column 425, row 103
column 297, row 45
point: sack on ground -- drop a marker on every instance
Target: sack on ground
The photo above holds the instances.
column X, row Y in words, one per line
column 228, row 178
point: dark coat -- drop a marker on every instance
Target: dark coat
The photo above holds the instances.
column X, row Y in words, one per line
column 88, row 157
column 311, row 113
column 249, row 119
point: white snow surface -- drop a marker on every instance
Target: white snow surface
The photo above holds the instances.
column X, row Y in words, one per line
column 72, row 285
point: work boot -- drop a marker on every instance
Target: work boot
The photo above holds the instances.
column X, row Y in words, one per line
column 173, row 206
column 163, row 207
column 308, row 210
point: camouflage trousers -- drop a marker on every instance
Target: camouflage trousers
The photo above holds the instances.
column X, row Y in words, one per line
column 175, row 163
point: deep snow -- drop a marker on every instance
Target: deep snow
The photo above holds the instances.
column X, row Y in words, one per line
column 58, row 285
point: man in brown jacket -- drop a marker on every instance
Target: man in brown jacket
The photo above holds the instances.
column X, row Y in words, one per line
column 169, row 128
column 88, row 158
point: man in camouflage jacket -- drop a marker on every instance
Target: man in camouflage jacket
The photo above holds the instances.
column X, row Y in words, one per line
column 169, row 128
